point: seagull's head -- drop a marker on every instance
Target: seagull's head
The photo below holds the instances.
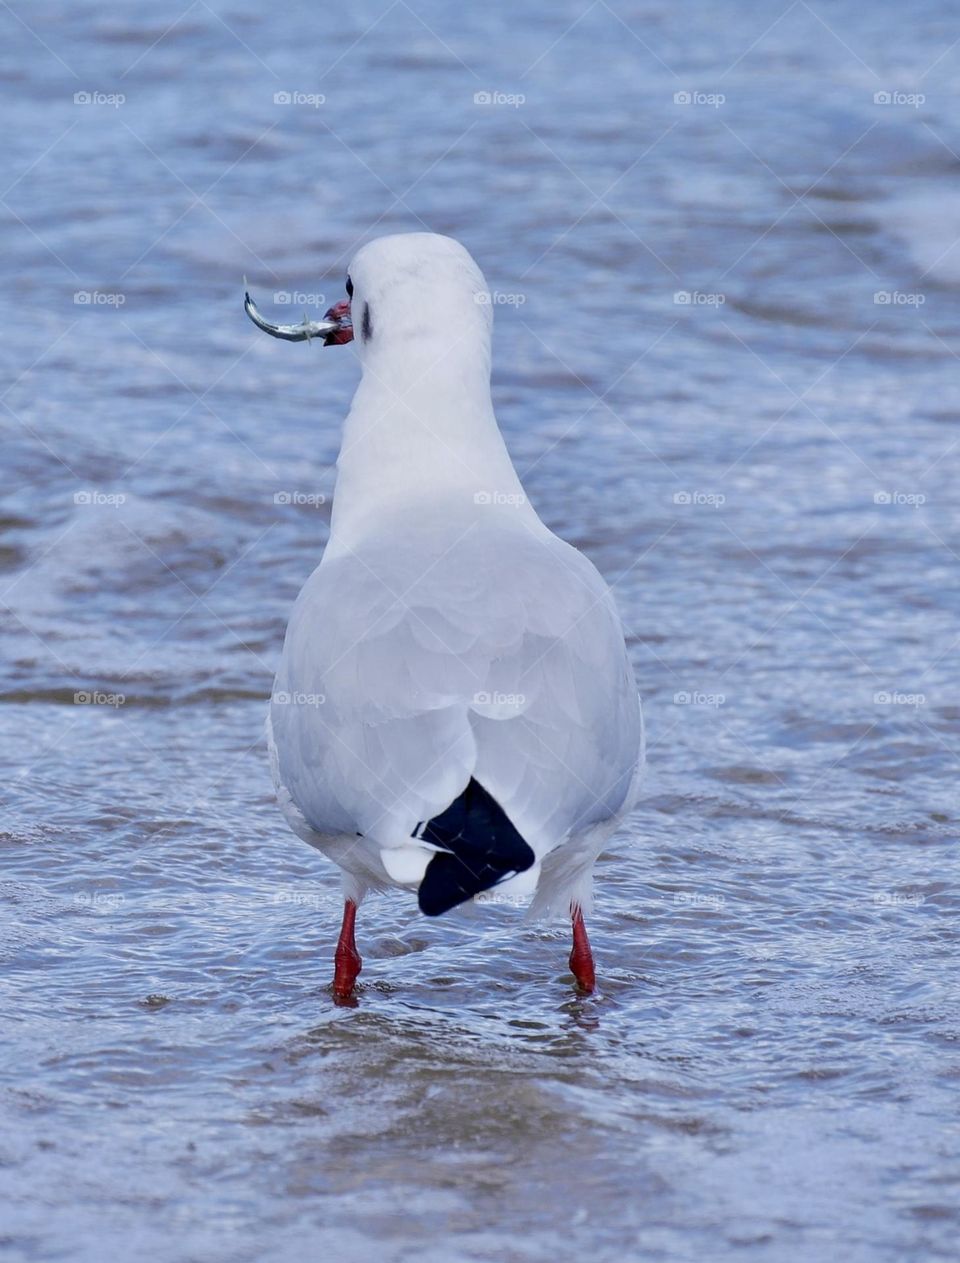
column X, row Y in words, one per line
column 411, row 295
column 414, row 289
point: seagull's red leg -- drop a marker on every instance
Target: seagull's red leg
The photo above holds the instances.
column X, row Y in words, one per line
column 581, row 958
column 347, row 962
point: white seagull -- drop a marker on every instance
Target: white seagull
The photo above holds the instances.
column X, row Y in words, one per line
column 454, row 713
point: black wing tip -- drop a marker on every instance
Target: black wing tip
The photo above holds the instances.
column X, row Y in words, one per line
column 482, row 847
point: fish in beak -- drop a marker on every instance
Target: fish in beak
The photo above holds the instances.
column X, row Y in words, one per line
column 335, row 328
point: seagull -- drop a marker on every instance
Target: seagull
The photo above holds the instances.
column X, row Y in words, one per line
column 454, row 713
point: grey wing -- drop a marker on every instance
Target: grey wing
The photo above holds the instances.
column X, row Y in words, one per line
column 566, row 759
column 503, row 660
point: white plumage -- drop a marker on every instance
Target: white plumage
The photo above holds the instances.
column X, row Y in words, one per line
column 447, row 634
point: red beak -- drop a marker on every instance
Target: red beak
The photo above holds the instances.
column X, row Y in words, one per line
column 341, row 313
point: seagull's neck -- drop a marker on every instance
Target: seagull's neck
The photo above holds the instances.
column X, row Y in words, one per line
column 421, row 430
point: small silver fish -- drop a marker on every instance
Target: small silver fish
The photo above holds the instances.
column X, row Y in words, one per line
column 334, row 328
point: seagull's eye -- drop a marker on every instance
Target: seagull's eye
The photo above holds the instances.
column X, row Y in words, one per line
column 349, row 287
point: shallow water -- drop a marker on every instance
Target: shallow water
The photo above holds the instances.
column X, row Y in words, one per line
column 767, row 473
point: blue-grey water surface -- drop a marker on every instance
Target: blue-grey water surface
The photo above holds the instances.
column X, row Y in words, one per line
column 722, row 240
